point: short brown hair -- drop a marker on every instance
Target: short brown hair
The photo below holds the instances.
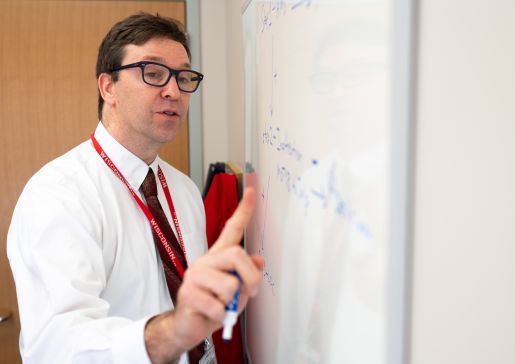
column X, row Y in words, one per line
column 136, row 29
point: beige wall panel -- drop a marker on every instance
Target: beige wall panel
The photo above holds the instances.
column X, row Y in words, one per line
column 48, row 101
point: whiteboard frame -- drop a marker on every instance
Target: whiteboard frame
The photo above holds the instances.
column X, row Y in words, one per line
column 402, row 207
column 404, row 55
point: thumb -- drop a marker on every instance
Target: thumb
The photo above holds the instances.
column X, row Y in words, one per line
column 233, row 230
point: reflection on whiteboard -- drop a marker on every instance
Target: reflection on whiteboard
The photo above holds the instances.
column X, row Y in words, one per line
column 318, row 91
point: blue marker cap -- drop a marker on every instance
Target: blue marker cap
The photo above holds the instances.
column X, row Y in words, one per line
column 231, row 313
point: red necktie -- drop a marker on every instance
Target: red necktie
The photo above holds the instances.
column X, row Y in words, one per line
column 173, row 279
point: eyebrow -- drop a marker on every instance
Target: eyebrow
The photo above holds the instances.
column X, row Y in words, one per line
column 161, row 60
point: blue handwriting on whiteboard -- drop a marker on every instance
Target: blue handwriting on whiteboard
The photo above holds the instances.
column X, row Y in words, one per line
column 289, row 148
column 300, row 3
column 270, row 137
column 267, row 274
column 293, row 185
column 326, row 196
column 273, row 9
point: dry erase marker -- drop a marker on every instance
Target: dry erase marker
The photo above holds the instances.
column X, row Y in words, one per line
column 231, row 313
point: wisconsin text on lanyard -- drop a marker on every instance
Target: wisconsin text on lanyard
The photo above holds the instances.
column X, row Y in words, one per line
column 146, row 211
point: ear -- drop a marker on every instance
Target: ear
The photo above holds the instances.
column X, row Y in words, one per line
column 106, row 88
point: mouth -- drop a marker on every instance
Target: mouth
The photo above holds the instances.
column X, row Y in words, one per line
column 169, row 113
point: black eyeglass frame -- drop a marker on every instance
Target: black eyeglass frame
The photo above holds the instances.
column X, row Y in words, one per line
column 171, row 72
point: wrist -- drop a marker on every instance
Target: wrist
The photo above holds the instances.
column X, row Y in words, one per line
column 160, row 341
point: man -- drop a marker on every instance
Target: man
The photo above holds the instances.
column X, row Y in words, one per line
column 97, row 266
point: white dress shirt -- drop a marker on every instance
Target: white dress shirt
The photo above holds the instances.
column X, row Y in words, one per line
column 88, row 276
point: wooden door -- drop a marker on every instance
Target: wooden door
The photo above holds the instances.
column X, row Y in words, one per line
column 48, row 102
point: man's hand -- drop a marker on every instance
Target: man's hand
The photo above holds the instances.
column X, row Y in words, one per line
column 206, row 289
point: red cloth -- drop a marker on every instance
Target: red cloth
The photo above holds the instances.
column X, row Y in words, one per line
column 220, row 203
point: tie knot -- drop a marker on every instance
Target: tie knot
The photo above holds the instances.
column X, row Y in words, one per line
column 149, row 185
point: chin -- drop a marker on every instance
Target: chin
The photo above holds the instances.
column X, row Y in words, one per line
column 169, row 131
column 167, row 138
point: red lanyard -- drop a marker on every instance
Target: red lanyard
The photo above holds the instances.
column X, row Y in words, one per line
column 146, row 211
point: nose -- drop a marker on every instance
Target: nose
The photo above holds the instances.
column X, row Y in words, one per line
column 171, row 90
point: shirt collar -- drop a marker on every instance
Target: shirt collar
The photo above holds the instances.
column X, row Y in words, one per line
column 130, row 166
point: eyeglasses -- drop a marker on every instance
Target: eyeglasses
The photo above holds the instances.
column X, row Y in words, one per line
column 158, row 75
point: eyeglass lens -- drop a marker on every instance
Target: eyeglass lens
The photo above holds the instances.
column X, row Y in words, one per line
column 158, row 75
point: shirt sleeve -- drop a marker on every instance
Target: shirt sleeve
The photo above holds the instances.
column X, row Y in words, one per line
column 55, row 252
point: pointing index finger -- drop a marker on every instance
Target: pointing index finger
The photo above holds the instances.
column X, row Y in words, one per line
column 233, row 230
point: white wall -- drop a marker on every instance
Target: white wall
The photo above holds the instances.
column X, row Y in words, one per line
column 213, row 49
column 222, row 98
column 235, row 84
column 464, row 244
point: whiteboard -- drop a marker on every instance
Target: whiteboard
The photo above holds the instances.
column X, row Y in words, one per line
column 327, row 110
